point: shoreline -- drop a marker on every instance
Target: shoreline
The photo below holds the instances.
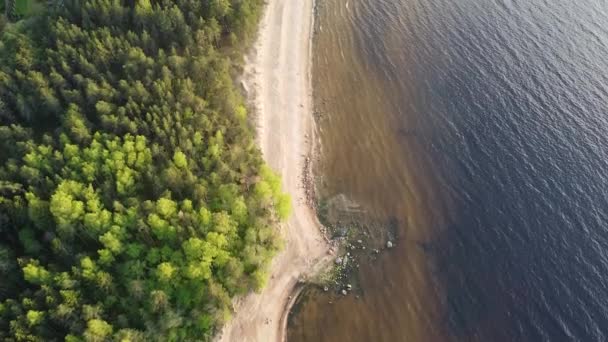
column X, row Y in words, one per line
column 277, row 79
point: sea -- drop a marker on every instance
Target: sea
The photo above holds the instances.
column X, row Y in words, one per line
column 479, row 130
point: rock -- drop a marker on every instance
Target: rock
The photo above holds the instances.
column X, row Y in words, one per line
column 349, row 287
column 339, row 261
column 360, row 242
column 389, row 244
column 344, row 293
column 363, row 248
column 325, row 288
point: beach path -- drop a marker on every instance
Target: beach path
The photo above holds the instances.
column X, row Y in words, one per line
column 278, row 80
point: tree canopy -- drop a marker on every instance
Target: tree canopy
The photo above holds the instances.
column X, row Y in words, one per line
column 134, row 203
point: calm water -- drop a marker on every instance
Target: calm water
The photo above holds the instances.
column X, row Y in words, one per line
column 480, row 126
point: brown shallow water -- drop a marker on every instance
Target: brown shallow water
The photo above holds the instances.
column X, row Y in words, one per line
column 370, row 152
column 479, row 128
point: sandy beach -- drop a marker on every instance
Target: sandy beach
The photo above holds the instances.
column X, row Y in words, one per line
column 278, row 81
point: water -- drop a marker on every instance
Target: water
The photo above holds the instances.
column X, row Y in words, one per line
column 478, row 126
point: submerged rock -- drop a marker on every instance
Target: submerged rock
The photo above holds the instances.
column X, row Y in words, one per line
column 342, row 232
column 340, row 206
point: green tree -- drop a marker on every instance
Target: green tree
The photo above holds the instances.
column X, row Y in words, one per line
column 179, row 158
column 134, row 203
column 97, row 330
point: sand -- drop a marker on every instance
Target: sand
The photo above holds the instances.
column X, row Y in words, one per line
column 278, row 82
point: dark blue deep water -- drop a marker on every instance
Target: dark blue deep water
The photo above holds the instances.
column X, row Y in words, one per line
column 513, row 99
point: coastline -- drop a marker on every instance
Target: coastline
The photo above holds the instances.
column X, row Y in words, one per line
column 277, row 79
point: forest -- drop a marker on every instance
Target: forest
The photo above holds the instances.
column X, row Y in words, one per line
column 134, row 202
